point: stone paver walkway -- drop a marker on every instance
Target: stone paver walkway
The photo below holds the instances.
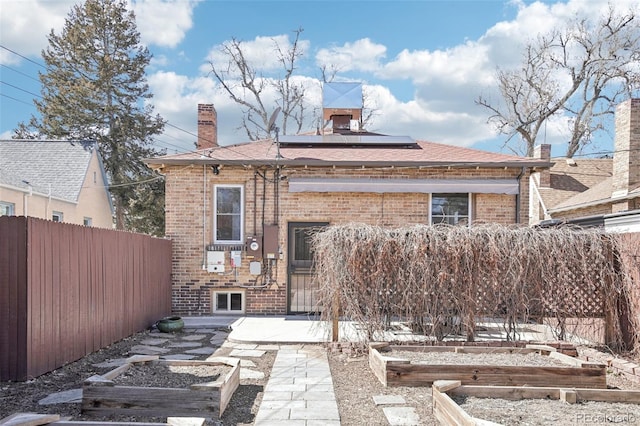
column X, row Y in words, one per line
column 299, row 391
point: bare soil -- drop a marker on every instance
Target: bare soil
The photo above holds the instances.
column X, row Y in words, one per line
column 354, row 383
column 24, row 397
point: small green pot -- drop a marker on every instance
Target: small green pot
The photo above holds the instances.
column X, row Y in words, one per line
column 170, row 324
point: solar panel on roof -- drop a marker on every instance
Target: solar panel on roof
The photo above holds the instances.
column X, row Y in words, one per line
column 346, row 140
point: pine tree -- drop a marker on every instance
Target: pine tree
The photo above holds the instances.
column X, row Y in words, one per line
column 95, row 88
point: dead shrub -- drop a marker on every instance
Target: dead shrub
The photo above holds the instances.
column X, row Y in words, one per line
column 444, row 280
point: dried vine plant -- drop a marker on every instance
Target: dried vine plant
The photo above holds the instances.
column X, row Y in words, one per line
column 445, row 280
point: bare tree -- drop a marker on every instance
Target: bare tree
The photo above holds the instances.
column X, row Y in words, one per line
column 581, row 72
column 246, row 86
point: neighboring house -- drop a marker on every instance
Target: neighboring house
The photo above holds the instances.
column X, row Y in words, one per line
column 63, row 181
column 601, row 192
column 240, row 216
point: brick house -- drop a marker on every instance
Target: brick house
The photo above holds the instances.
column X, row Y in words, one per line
column 239, row 215
column 63, row 181
column 601, row 192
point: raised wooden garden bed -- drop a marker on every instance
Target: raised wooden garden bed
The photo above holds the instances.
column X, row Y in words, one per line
column 101, row 395
column 394, row 371
column 447, row 411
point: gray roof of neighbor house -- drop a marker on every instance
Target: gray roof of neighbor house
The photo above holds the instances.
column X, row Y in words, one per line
column 350, row 150
column 58, row 166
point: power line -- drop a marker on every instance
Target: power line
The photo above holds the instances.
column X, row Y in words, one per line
column 15, row 99
column 22, row 56
column 198, row 138
column 20, row 72
column 21, row 89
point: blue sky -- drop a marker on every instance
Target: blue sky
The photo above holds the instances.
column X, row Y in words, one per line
column 422, row 62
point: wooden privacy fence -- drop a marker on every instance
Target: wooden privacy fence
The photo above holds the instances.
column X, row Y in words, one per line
column 69, row 290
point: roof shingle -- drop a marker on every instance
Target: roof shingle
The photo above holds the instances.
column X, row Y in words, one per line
column 56, row 166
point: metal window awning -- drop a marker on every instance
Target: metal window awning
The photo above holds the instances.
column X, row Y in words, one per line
column 383, row 185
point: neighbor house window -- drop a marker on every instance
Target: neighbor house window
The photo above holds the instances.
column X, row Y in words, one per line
column 231, row 302
column 228, row 207
column 57, row 216
column 452, row 209
column 7, row 209
column 87, row 221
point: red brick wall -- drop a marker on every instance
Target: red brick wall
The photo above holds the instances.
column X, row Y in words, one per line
column 189, row 216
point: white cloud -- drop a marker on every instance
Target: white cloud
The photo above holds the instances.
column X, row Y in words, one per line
column 259, row 52
column 163, row 22
column 361, row 55
column 25, row 24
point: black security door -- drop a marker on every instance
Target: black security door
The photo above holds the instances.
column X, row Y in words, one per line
column 302, row 290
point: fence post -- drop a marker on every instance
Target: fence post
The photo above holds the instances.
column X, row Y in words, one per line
column 335, row 314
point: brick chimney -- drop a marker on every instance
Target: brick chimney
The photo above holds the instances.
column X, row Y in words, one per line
column 207, row 126
column 626, row 156
column 543, row 152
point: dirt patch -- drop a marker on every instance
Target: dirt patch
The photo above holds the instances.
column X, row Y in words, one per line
column 354, row 384
column 159, row 375
column 491, row 358
column 23, row 397
column 541, row 412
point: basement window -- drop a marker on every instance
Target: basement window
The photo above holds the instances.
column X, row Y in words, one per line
column 228, row 302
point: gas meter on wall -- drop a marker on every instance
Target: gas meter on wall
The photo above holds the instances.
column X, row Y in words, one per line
column 215, row 261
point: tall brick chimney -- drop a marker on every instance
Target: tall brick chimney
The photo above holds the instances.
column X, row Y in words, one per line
column 207, row 126
column 543, row 152
column 626, row 156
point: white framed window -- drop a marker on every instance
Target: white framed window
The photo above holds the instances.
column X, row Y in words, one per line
column 57, row 216
column 7, row 209
column 87, row 221
column 228, row 214
column 228, row 301
column 451, row 208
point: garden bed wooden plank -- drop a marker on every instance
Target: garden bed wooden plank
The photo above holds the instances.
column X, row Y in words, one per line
column 442, row 410
column 398, row 372
column 102, row 396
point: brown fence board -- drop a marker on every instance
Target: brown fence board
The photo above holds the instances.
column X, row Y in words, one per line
column 68, row 290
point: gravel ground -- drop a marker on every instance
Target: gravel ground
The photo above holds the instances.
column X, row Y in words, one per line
column 354, row 385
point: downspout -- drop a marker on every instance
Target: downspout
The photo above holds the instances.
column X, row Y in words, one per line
column 518, row 197
column 204, row 217
column 25, row 200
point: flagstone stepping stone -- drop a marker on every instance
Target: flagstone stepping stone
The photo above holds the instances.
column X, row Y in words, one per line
column 160, row 334
column 178, row 356
column 185, row 345
column 248, row 346
column 148, row 350
column 388, row 400
column 65, row 397
column 154, row 342
column 194, row 337
column 401, row 416
column 215, row 340
column 246, row 373
column 251, row 353
column 201, row 351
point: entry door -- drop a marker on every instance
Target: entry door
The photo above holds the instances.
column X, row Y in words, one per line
column 302, row 291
